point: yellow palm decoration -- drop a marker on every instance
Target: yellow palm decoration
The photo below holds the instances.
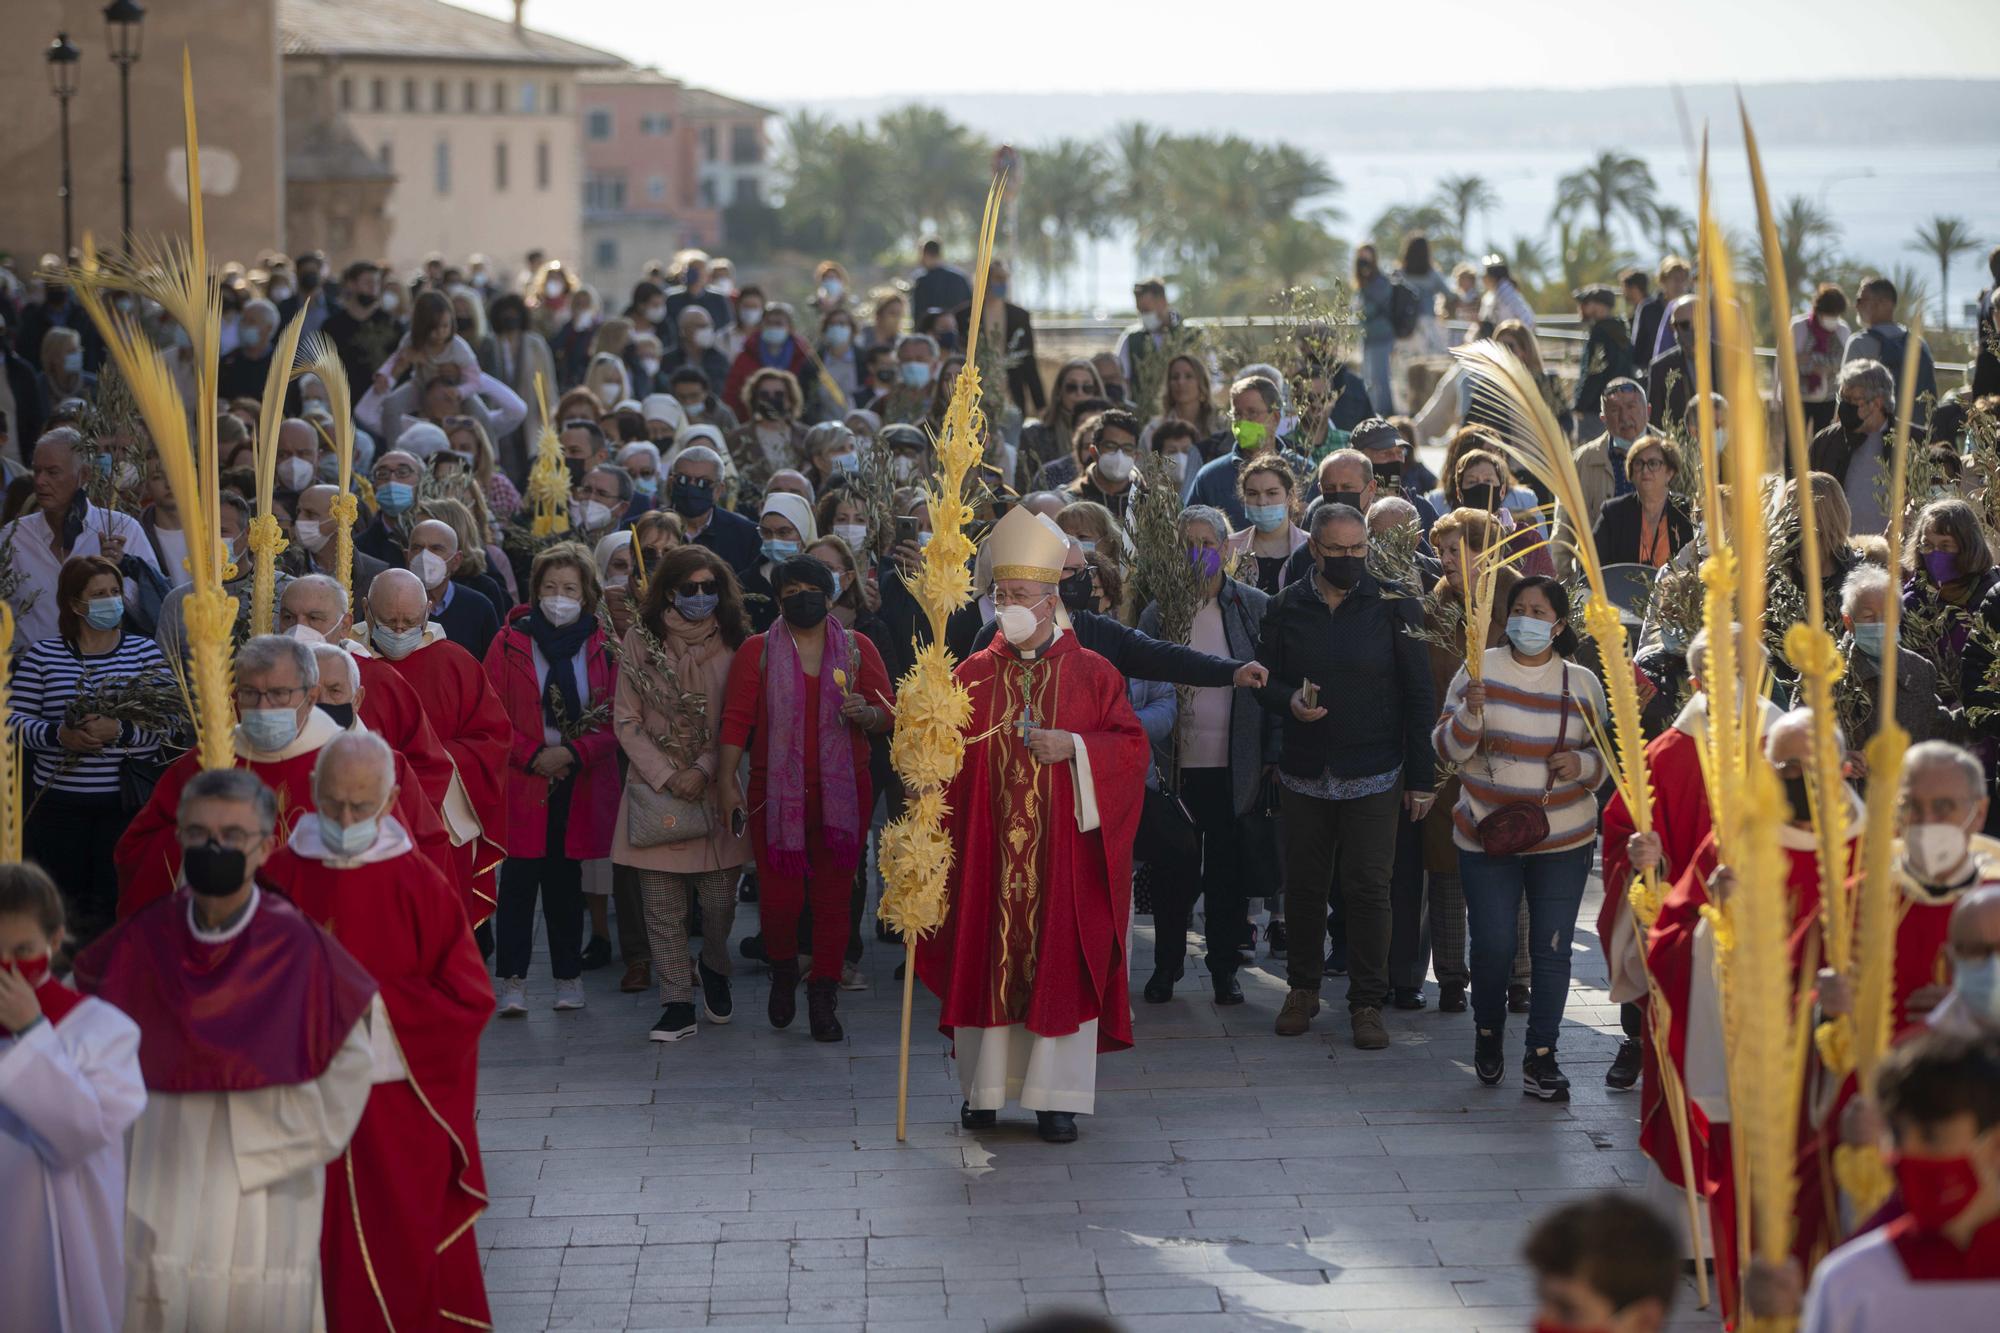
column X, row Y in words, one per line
column 932, row 708
column 266, row 539
column 548, row 479
column 181, row 279
column 10, row 753
column 322, row 358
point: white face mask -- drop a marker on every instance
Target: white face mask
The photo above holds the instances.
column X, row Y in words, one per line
column 704, row 338
column 590, row 515
column 1115, row 465
column 305, row 633
column 1178, row 462
column 1935, row 852
column 554, row 288
column 295, row 473
column 1149, row 321
column 311, row 533
column 429, row 567
column 854, row 534
column 1831, row 323
column 560, row 611
column 1017, row 623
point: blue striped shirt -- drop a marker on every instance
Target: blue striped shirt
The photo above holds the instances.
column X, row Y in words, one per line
column 46, row 679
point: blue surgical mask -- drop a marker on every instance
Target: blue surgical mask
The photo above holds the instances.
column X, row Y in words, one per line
column 397, row 644
column 1868, row 638
column 1978, row 985
column 72, row 363
column 774, row 336
column 349, row 842
column 1268, row 518
column 646, row 485
column 395, row 496
column 775, row 550
column 696, row 606
column 106, row 612
column 849, row 463
column 916, row 374
column 839, row 336
column 1673, row 640
column 1529, row 635
column 269, row 729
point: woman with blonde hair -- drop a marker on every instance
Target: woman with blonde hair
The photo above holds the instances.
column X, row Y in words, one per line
column 469, row 437
column 1099, row 533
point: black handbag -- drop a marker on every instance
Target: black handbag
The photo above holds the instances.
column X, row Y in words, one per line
column 1166, row 830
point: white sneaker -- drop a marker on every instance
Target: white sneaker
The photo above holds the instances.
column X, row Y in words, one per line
column 851, row 978
column 513, row 997
column 569, row 994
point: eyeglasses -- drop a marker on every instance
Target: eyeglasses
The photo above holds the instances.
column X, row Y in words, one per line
column 285, row 697
column 235, row 839
column 699, row 587
column 1649, row 465
column 1360, row 548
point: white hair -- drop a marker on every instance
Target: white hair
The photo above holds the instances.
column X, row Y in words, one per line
column 1865, row 579
column 364, row 745
column 698, row 453
column 1926, row 754
column 352, row 673
column 267, row 651
column 1392, row 505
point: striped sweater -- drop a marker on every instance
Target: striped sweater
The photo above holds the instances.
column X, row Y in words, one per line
column 1503, row 755
column 46, row 678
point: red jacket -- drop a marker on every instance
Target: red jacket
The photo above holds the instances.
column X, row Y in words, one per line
column 593, row 807
column 750, row 360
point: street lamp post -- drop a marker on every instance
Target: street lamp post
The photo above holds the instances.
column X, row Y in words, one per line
column 122, row 20
column 62, row 57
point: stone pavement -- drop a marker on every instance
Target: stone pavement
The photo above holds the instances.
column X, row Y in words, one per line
column 1230, row 1180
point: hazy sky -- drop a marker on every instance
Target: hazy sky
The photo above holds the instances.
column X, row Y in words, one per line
column 810, row 49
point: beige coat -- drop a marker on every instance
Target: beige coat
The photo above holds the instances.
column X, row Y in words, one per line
column 636, row 725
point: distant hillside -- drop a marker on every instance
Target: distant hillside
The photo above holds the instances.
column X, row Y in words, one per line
column 1875, row 114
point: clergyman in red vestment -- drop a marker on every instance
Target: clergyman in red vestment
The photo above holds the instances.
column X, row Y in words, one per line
column 1030, row 962
column 397, row 1249
column 463, row 710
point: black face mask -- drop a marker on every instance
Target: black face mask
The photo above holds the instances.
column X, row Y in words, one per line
column 365, row 299
column 1485, row 496
column 576, row 468
column 1795, row 792
column 690, row 500
column 1389, row 474
column 1342, row 571
column 340, row 713
column 212, row 870
column 1850, row 417
column 1352, row 499
column 770, row 408
column 308, row 280
column 507, row 324
column 803, row 610
column 1684, row 339
column 1075, row 590
column 1115, row 392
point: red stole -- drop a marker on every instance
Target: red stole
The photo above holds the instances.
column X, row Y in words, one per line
column 1035, row 927
column 1929, row 1257
column 397, row 1246
column 269, row 1006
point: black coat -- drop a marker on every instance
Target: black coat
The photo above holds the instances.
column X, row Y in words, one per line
column 940, row 288
column 470, row 621
column 1139, row 656
column 1618, row 531
column 1024, row 378
column 1669, row 388
column 1607, row 355
column 1646, row 329
column 734, row 538
column 26, row 428
column 1374, row 680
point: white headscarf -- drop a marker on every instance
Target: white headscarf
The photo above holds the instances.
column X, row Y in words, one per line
column 794, row 510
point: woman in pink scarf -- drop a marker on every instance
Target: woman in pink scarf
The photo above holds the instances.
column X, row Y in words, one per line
column 802, row 698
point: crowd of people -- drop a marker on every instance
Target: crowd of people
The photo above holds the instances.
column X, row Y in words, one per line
column 687, row 699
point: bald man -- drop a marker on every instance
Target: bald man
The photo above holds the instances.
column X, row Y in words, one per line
column 463, row 710
column 313, row 533
column 467, row 615
column 397, row 1247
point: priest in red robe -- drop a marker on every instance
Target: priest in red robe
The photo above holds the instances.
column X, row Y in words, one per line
column 1030, row 962
column 397, row 1249
column 1682, row 817
column 314, row 610
column 254, row 1043
column 280, row 732
column 465, row 712
column 1681, row 953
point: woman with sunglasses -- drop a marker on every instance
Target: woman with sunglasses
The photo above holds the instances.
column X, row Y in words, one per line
column 1046, row 457
column 668, row 718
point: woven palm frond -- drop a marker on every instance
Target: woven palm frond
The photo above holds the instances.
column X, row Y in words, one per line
column 319, row 356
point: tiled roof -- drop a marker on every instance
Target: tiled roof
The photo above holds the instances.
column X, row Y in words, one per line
column 702, row 103
column 421, row 30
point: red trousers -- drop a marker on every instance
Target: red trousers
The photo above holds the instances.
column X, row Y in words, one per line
column 780, row 899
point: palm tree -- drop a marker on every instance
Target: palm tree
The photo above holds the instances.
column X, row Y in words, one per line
column 1067, row 204
column 1613, row 183
column 1462, row 196
column 1672, row 230
column 1806, row 232
column 1944, row 239
column 1135, row 147
column 938, row 167
column 836, row 178
column 1528, row 262
column 1296, row 251
column 1395, row 225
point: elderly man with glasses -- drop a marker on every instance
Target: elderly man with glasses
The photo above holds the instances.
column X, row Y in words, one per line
column 278, row 737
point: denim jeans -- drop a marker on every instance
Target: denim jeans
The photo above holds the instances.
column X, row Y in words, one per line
column 1552, row 883
column 1375, row 374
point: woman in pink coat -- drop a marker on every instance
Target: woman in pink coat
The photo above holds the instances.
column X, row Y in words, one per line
column 555, row 675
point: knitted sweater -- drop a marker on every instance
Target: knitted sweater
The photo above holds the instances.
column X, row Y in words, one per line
column 1503, row 754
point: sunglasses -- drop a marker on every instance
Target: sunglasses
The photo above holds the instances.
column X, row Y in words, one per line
column 1075, row 388
column 701, row 588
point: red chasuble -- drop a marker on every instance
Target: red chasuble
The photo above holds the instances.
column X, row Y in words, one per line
column 397, row 1247
column 473, row 726
column 148, row 855
column 391, row 709
column 1670, row 955
column 1034, row 931
column 266, row 1007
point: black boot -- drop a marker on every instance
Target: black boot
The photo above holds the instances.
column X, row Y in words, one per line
column 784, row 1006
column 971, row 1119
column 1160, row 986
column 1056, row 1126
column 822, row 996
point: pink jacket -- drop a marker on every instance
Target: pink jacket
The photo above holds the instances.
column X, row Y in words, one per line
column 510, row 664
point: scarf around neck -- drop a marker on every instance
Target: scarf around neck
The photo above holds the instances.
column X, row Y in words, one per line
column 786, row 700
column 560, row 645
